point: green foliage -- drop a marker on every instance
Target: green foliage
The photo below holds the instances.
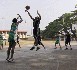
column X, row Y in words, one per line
column 60, row 25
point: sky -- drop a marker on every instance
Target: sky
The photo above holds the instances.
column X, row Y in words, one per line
column 49, row 10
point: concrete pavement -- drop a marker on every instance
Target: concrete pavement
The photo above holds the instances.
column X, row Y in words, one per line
column 43, row 59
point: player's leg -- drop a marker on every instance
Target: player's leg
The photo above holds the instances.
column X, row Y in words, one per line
column 2, row 46
column 41, row 44
column 35, row 38
column 18, row 43
column 37, row 42
column 12, row 53
column 66, row 43
column 12, row 50
column 70, row 46
column 8, row 53
column 33, row 46
column 55, row 46
column 60, row 45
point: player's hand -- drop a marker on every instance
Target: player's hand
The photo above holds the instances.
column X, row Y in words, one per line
column 17, row 14
column 37, row 11
column 25, row 10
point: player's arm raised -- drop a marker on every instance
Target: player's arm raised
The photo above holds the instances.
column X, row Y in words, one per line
column 20, row 19
column 39, row 14
column 30, row 15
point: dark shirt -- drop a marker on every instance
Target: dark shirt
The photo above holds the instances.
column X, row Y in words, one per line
column 11, row 36
column 68, row 37
column 36, row 23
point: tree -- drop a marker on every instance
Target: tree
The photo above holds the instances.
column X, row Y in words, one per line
column 62, row 24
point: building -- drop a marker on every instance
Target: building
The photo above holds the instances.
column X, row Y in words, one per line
column 22, row 34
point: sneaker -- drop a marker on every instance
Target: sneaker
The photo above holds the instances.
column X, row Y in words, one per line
column 32, row 48
column 19, row 46
column 37, row 48
column 70, row 48
column 66, row 48
column 55, row 48
column 60, row 48
column 44, row 47
column 11, row 59
column 7, row 59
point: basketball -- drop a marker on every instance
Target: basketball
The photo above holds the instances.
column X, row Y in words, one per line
column 27, row 7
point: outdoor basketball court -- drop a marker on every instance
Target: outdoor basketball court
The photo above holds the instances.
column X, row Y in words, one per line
column 49, row 59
